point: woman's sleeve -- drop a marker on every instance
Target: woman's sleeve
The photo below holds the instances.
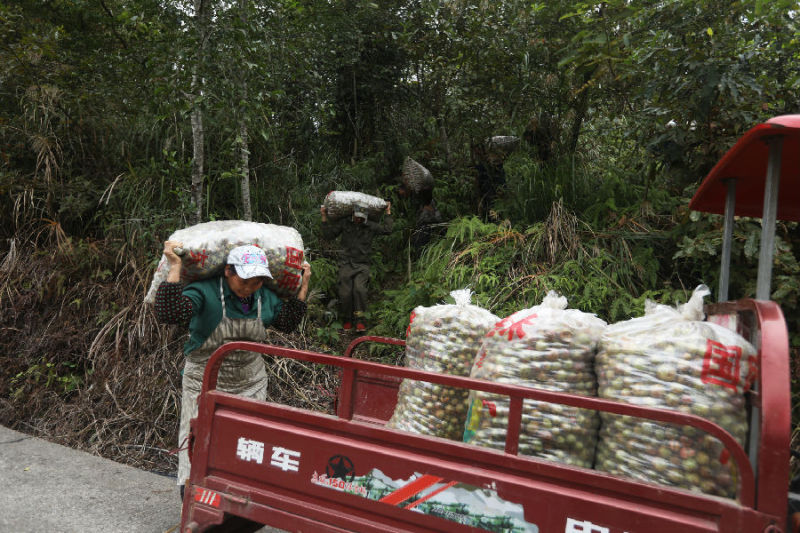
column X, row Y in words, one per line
column 289, row 317
column 172, row 307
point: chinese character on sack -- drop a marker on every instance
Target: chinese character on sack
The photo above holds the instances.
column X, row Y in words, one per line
column 575, row 526
column 250, row 450
column 481, row 357
column 721, row 364
column 294, row 257
column 285, row 459
column 512, row 328
column 410, row 321
column 196, row 258
column 287, row 280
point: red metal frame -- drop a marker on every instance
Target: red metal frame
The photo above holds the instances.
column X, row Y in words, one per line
column 351, row 367
column 773, row 398
column 376, row 394
column 547, row 491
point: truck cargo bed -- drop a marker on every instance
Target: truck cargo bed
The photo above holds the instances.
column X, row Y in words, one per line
column 257, row 463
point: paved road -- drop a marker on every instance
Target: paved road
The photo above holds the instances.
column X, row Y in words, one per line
column 48, row 487
column 45, row 487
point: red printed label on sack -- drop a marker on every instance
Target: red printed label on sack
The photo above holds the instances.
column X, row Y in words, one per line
column 294, row 257
column 287, row 280
column 492, row 407
column 514, row 329
column 410, row 321
column 724, row 456
column 722, row 365
column 481, row 357
column 196, row 258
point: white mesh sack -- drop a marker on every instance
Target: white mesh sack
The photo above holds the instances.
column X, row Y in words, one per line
column 504, row 143
column 444, row 339
column 670, row 358
column 206, row 247
column 341, row 204
column 547, row 347
column 416, row 177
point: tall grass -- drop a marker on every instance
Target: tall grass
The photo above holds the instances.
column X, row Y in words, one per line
column 87, row 365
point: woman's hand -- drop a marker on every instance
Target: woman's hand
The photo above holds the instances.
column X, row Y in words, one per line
column 175, row 263
column 303, row 292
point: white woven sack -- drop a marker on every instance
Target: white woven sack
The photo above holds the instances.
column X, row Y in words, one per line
column 206, row 247
column 340, row 204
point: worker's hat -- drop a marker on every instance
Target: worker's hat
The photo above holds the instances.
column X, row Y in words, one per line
column 250, row 261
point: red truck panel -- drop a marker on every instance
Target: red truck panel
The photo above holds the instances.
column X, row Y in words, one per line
column 305, row 471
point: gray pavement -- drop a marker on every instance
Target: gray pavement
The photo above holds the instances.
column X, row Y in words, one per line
column 48, row 487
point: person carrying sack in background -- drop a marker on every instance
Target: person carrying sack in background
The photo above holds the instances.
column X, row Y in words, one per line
column 425, row 226
column 356, row 234
column 488, row 160
column 234, row 306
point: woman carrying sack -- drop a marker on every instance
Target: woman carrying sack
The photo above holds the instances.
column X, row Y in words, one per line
column 234, row 306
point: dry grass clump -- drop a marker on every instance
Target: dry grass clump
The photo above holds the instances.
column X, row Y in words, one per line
column 87, row 366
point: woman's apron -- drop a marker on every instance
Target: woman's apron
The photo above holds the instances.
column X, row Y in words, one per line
column 241, row 373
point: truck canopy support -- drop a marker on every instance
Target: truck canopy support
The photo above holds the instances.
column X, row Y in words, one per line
column 767, row 250
column 757, row 178
column 727, row 240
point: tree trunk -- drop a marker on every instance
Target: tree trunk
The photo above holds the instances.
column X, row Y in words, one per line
column 581, row 106
column 198, row 155
column 198, row 132
column 244, row 150
column 244, row 161
column 448, row 156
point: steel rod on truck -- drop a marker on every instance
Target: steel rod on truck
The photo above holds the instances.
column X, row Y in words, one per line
column 727, row 240
column 769, row 217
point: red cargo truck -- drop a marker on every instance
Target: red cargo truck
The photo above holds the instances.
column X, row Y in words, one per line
column 257, row 463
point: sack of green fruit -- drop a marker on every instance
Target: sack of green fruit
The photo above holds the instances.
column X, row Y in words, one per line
column 671, row 358
column 547, row 347
column 206, row 246
column 342, row 204
column 444, row 339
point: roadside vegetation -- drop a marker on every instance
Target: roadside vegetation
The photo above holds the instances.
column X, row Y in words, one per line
column 106, row 108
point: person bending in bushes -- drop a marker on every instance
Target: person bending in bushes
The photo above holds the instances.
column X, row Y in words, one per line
column 356, row 235
column 233, row 306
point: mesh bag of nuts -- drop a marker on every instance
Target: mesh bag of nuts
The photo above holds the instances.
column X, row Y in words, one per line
column 341, row 204
column 416, row 177
column 504, row 143
column 547, row 347
column 444, row 339
column 670, row 358
column 206, row 246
